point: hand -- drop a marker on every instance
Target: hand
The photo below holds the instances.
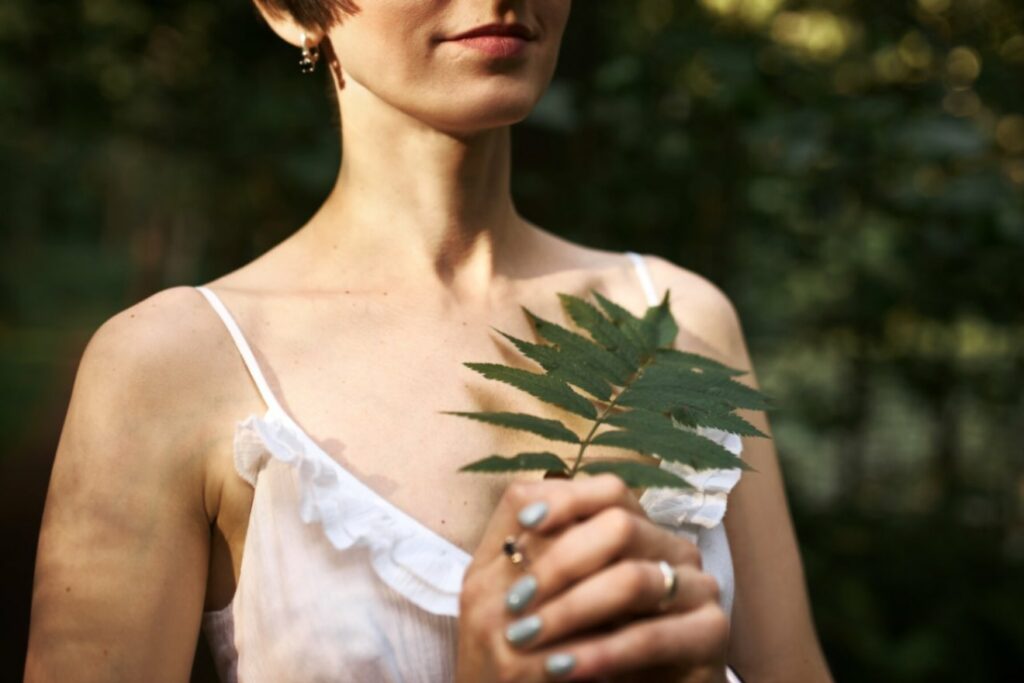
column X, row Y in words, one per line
column 596, row 588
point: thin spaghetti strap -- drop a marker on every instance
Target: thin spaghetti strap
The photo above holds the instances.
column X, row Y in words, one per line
column 243, row 348
column 645, row 277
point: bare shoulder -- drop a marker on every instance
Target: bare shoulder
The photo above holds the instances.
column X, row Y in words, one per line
column 153, row 383
column 161, row 356
column 709, row 321
column 706, row 315
column 123, row 547
column 137, row 406
column 159, row 333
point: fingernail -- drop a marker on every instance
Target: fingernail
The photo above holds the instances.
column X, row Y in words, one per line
column 531, row 515
column 520, row 593
column 560, row 664
column 521, row 631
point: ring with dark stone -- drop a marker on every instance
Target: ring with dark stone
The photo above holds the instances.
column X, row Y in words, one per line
column 511, row 548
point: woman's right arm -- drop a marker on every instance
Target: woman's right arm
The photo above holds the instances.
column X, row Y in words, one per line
column 123, row 550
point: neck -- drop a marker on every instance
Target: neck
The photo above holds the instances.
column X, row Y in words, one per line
column 414, row 204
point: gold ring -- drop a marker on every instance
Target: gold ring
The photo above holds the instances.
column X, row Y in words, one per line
column 671, row 584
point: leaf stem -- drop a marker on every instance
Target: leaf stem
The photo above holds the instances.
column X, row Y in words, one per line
column 605, row 412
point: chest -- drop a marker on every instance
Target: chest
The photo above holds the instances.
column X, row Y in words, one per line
column 373, row 395
column 368, row 385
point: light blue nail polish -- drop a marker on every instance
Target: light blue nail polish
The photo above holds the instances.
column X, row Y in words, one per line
column 560, row 664
column 532, row 514
column 521, row 593
column 519, row 632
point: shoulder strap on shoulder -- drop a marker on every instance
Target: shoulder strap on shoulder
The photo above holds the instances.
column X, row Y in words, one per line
column 644, row 275
column 243, row 348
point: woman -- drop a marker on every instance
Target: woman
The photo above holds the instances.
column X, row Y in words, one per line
column 362, row 554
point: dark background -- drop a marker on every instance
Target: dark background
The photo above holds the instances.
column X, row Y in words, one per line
column 850, row 173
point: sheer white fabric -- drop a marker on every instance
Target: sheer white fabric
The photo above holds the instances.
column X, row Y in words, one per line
column 338, row 584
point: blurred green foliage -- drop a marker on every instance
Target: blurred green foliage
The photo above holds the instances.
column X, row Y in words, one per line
column 851, row 174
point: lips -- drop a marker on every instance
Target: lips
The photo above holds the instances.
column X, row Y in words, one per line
column 515, row 30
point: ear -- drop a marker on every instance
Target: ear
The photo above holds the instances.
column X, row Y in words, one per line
column 285, row 26
column 327, row 47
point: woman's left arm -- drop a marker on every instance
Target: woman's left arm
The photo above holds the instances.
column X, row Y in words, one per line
column 772, row 635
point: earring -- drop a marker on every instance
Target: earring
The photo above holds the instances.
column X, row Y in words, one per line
column 310, row 56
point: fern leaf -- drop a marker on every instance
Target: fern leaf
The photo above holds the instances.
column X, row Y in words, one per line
column 691, row 361
column 636, row 474
column 545, row 387
column 660, row 327
column 630, row 325
column 651, row 433
column 661, row 387
column 564, row 366
column 601, row 329
column 549, row 429
column 654, row 396
column 516, row 463
column 726, row 421
column 685, row 448
column 600, row 360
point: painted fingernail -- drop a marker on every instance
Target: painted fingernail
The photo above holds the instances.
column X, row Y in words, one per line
column 519, row 632
column 521, row 593
column 531, row 515
column 560, row 664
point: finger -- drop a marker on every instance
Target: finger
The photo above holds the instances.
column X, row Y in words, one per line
column 588, row 546
column 694, row 641
column 555, row 503
column 529, row 545
column 621, row 591
column 541, row 507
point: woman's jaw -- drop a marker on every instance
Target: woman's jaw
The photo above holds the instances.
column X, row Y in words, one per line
column 409, row 55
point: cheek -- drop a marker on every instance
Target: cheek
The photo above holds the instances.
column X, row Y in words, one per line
column 556, row 15
column 389, row 42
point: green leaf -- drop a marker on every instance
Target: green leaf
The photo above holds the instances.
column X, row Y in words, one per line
column 687, row 448
column 727, row 422
column 600, row 360
column 629, row 324
column 545, row 387
column 564, row 366
column 636, row 474
column 667, row 387
column 666, row 395
column 692, row 361
column 520, row 462
column 651, row 433
column 549, row 429
column 662, row 397
column 659, row 325
column 601, row 329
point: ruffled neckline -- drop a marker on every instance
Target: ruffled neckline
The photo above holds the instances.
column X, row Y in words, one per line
column 405, row 554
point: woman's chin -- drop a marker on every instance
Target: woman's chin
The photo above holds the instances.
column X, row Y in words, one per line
column 503, row 109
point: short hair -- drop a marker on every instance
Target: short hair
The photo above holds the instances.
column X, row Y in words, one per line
column 321, row 14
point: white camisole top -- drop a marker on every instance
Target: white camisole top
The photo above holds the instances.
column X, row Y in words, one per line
column 337, row 584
